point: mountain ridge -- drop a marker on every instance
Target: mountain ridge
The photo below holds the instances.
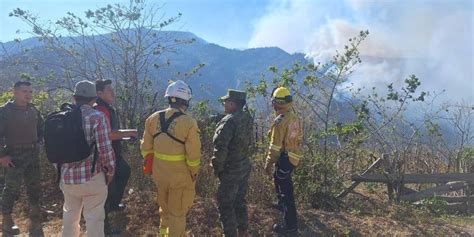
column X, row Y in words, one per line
column 223, row 67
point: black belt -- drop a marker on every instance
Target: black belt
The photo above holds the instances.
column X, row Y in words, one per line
column 23, row 146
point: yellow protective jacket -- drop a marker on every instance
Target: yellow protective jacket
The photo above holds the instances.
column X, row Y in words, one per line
column 165, row 148
column 285, row 136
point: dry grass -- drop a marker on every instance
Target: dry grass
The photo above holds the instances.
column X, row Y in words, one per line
column 368, row 213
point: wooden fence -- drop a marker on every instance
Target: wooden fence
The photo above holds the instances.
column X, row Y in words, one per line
column 445, row 183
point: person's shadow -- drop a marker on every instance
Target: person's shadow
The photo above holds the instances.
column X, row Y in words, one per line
column 310, row 225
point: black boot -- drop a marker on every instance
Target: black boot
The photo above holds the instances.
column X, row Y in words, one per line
column 9, row 227
column 36, row 220
column 283, row 229
column 110, row 223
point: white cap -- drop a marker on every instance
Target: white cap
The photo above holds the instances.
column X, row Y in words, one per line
column 179, row 89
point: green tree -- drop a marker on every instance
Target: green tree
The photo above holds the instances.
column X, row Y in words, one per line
column 122, row 42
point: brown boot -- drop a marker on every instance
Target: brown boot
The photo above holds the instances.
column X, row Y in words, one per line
column 8, row 226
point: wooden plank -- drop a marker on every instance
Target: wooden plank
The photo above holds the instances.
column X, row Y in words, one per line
column 457, row 199
column 354, row 184
column 451, row 186
column 406, row 190
column 415, row 178
column 456, row 208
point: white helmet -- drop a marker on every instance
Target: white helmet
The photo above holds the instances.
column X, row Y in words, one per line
column 179, row 89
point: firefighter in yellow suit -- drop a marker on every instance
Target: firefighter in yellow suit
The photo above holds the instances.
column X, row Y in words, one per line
column 171, row 139
column 284, row 155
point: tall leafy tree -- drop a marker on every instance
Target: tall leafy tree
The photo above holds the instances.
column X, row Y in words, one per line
column 122, row 42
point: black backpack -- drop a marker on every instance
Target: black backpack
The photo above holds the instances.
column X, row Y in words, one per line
column 64, row 137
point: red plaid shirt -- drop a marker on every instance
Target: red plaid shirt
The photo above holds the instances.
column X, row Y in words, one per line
column 96, row 129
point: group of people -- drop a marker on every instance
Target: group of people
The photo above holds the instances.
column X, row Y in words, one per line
column 94, row 191
column 171, row 147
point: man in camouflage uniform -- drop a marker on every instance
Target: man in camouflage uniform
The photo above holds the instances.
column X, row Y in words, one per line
column 20, row 131
column 231, row 163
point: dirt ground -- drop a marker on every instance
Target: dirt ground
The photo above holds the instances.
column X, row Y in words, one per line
column 368, row 215
column 141, row 219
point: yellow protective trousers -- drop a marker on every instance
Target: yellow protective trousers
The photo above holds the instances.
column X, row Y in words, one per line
column 175, row 195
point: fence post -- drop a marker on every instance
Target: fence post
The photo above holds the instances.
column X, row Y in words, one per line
column 470, row 193
column 373, row 166
column 470, row 190
column 389, row 170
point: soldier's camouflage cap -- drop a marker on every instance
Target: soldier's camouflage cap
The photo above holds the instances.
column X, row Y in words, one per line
column 234, row 95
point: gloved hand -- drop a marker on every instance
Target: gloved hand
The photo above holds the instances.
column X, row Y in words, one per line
column 148, row 164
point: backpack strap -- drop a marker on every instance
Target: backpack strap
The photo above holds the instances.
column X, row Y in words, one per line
column 165, row 124
column 58, row 173
column 96, row 155
column 94, row 143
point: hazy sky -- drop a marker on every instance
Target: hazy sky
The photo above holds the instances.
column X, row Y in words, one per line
column 430, row 38
column 228, row 23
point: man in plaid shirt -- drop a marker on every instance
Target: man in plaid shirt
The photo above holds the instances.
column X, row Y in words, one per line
column 85, row 188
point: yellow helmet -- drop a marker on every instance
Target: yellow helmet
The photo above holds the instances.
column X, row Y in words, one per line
column 281, row 95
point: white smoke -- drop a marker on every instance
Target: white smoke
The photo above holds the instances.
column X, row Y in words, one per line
column 431, row 39
column 285, row 25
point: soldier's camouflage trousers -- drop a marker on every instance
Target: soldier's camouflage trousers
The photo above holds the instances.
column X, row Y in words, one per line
column 231, row 201
column 26, row 168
